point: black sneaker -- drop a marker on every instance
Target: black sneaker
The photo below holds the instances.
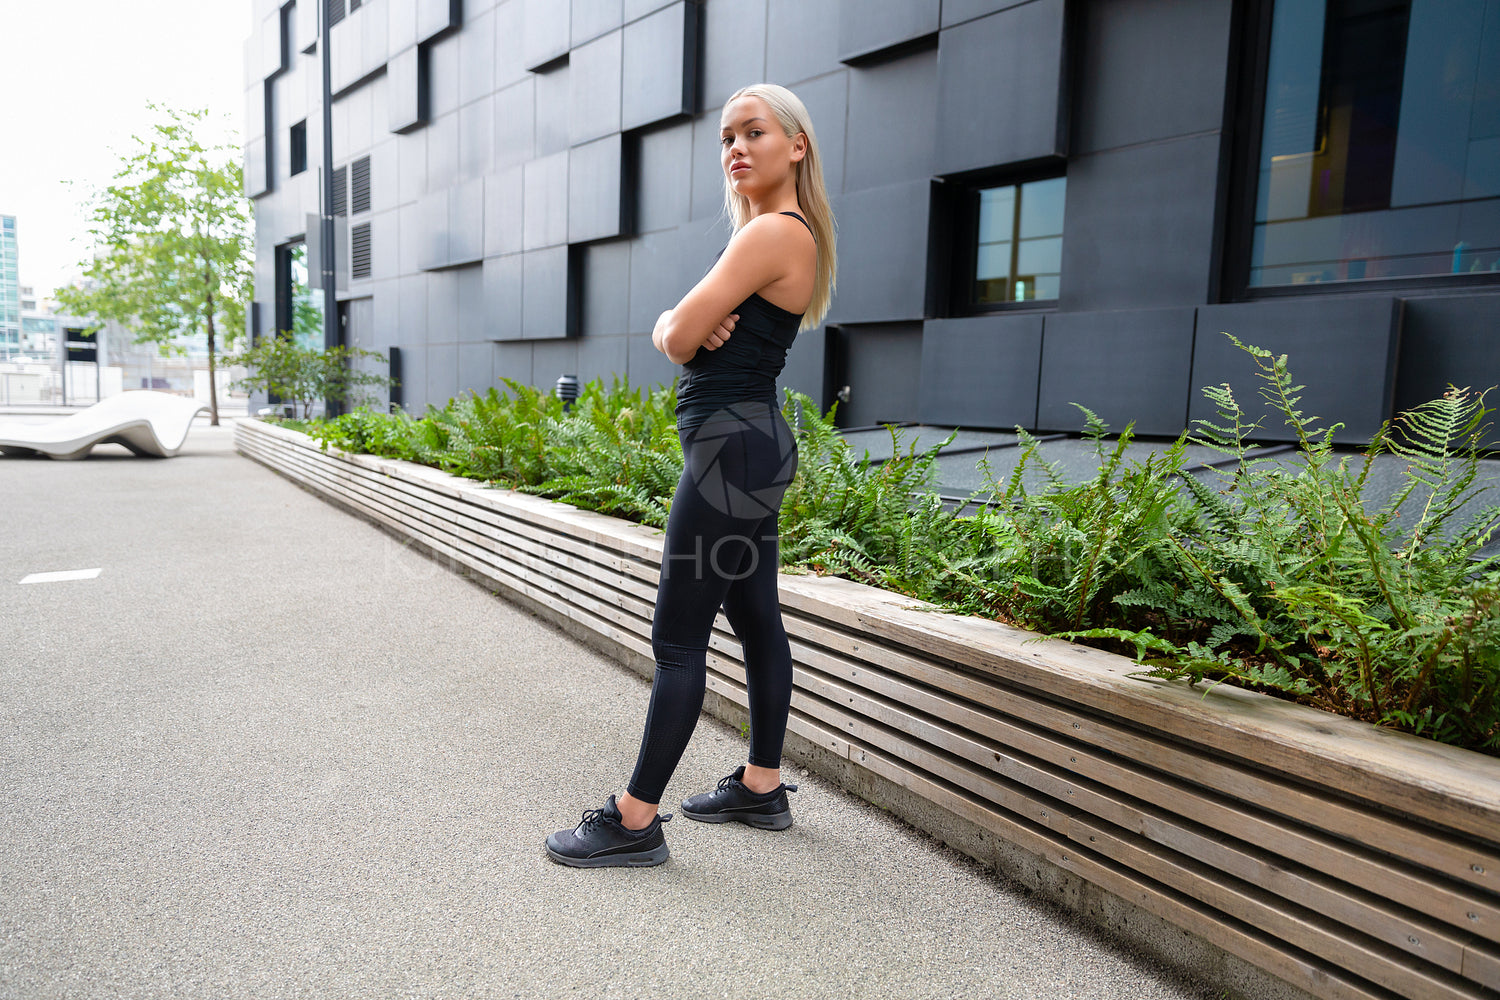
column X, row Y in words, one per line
column 732, row 801
column 602, row 841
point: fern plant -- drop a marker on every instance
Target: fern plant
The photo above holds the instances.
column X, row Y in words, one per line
column 1277, row 574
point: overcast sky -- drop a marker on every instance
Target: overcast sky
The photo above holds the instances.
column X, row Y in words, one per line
column 75, row 80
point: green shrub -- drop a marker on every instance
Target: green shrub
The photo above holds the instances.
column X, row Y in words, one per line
column 1281, row 576
column 615, row 451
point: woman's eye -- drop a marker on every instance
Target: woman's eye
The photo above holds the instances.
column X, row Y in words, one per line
column 756, row 133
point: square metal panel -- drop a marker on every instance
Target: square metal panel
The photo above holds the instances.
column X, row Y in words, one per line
column 1127, row 94
column 437, row 16
column 544, row 304
column 257, row 172
column 514, row 135
column 504, row 201
column 471, row 320
column 466, row 221
column 1133, row 366
column 442, row 151
column 603, row 358
column 442, row 373
column 546, row 192
column 645, row 365
column 401, row 22
column 605, row 293
column 958, row 11
column 510, row 59
column 476, row 58
column 411, row 166
column 553, row 97
column 660, row 61
column 476, row 368
column 594, row 190
column 1343, row 349
column 1447, row 339
column 1017, row 60
column 980, row 371
column 442, row 76
column 551, row 359
column 442, row 306
column 655, row 260
column 545, row 33
column 806, row 39
column 663, row 176
column 868, row 27
column 433, row 236
column 503, row 277
column 404, row 88
column 1139, row 228
column 734, row 48
column 900, row 90
column 882, row 253
column 594, row 89
column 476, row 123
column 513, row 361
column 592, row 18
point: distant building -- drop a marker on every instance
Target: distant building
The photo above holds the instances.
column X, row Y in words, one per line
column 10, row 289
column 28, row 298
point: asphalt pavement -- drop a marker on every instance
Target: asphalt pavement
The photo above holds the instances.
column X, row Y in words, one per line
column 269, row 751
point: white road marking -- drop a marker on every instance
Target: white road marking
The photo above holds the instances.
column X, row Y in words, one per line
column 66, row 574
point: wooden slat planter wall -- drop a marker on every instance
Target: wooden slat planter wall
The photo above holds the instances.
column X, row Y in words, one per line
column 1348, row 861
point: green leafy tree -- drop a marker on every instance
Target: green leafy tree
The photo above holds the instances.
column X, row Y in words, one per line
column 304, row 375
column 174, row 247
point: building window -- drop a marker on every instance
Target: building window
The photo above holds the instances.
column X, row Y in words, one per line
column 1009, row 243
column 298, row 146
column 299, row 314
column 1379, row 144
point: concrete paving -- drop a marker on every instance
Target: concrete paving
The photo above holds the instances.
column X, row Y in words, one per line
column 271, row 752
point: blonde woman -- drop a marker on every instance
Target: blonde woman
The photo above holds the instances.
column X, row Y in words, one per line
column 730, row 333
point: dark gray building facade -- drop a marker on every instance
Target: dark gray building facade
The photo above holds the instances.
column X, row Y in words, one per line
column 1039, row 202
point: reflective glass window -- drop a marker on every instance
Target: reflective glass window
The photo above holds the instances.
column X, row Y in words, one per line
column 1380, row 146
column 1018, row 257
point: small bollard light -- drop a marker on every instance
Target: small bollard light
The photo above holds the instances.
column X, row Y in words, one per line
column 566, row 389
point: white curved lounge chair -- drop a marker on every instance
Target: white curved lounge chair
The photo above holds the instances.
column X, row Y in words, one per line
column 146, row 422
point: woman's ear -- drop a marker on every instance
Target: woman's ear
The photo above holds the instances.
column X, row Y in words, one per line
column 799, row 147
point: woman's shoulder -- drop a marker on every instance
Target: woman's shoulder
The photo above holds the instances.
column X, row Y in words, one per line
column 774, row 233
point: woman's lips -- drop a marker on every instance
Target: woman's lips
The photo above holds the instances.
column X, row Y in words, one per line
column 736, row 168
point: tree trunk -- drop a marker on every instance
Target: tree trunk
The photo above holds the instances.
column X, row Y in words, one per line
column 213, row 382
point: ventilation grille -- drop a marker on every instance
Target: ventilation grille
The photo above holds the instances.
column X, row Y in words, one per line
column 341, row 191
column 336, row 11
column 354, row 5
column 359, row 251
column 359, row 185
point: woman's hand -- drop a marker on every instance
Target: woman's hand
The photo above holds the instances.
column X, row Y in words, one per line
column 721, row 332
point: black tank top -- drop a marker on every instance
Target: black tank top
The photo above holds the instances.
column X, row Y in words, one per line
column 746, row 367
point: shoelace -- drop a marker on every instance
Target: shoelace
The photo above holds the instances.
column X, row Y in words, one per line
column 591, row 819
column 595, row 817
column 729, row 779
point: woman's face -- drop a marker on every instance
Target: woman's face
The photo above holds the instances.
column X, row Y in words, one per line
column 755, row 152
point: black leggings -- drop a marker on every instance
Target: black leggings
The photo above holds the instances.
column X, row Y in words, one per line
column 721, row 551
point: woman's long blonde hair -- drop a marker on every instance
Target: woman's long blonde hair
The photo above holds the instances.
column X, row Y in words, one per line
column 812, row 196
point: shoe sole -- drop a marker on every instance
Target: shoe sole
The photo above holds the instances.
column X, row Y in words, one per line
column 640, row 859
column 761, row 821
